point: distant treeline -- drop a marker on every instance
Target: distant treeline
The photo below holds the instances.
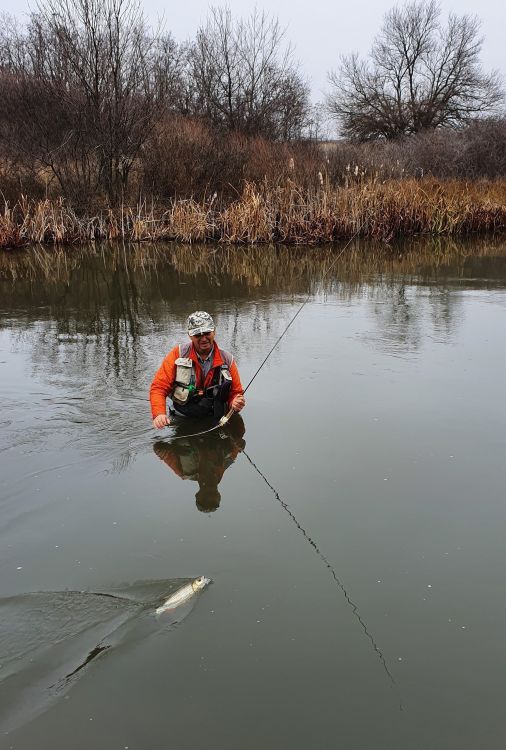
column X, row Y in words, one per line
column 186, row 158
column 100, row 109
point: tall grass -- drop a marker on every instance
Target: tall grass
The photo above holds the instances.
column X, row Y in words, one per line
column 266, row 212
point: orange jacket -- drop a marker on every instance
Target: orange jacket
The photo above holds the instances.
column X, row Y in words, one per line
column 164, row 381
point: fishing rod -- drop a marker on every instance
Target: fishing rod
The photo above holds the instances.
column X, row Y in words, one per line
column 330, row 568
column 223, row 421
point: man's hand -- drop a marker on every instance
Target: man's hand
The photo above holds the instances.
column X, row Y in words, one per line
column 160, row 421
column 238, row 402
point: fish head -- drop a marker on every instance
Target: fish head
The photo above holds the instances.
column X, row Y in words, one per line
column 200, row 583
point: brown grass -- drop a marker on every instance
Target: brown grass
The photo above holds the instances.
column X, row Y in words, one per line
column 265, row 213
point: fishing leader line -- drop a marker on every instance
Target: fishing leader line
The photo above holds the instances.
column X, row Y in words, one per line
column 223, row 421
column 331, row 569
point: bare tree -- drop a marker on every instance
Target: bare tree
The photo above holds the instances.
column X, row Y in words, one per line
column 241, row 78
column 87, row 82
column 420, row 75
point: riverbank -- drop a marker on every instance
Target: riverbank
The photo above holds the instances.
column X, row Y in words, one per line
column 283, row 213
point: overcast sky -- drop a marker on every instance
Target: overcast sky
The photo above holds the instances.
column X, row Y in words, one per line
column 320, row 30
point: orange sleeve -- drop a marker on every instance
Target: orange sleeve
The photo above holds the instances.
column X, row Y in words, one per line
column 163, row 383
column 236, row 388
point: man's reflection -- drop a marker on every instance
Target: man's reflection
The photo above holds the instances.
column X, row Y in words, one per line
column 205, row 458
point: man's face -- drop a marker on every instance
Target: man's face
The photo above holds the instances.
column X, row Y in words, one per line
column 203, row 343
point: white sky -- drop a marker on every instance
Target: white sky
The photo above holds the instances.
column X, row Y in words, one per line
column 320, row 30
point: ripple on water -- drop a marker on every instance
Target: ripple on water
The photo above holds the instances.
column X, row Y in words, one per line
column 47, row 639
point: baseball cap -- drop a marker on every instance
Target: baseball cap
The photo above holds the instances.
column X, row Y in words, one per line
column 200, row 322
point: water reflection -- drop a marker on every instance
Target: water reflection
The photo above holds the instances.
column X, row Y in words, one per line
column 97, row 320
column 469, row 259
column 111, row 296
column 203, row 459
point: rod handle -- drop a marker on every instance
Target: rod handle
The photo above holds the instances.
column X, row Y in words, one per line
column 224, row 420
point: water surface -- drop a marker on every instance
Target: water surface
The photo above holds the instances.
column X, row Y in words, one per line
column 352, row 522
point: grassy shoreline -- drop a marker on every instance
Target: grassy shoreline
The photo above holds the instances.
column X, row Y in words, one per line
column 282, row 213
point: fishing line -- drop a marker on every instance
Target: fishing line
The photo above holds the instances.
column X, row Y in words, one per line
column 224, row 420
column 330, row 568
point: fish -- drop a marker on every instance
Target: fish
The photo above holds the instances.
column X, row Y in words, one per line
column 182, row 595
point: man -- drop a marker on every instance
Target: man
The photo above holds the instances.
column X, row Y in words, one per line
column 201, row 379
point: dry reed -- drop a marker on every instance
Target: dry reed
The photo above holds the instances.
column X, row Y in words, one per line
column 282, row 213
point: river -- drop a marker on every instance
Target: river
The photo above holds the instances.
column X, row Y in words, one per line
column 352, row 522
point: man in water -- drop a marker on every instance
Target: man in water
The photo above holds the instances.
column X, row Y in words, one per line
column 201, row 379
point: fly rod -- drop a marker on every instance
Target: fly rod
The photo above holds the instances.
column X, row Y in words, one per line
column 223, row 421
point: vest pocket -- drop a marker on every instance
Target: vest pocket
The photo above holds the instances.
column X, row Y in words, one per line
column 183, row 370
column 184, row 367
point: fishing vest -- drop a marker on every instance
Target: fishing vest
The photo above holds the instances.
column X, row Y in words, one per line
column 185, row 387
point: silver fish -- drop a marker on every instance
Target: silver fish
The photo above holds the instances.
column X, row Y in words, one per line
column 182, row 595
